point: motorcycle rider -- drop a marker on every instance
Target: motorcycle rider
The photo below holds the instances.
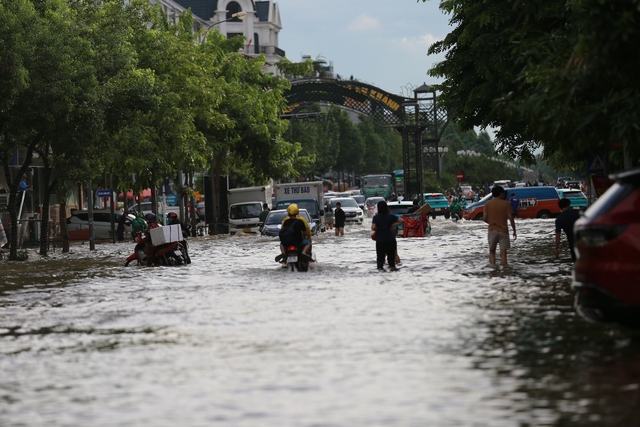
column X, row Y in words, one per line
column 299, row 228
column 173, row 219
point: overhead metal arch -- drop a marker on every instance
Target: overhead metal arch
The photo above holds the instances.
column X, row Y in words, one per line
column 374, row 102
column 419, row 120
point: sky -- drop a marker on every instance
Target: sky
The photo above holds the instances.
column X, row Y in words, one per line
column 380, row 42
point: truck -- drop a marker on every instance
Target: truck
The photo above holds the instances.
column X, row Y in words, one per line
column 245, row 205
column 378, row 185
column 307, row 195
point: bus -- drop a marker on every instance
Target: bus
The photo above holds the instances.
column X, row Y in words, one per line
column 380, row 185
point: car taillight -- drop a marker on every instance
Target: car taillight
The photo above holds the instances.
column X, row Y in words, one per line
column 599, row 236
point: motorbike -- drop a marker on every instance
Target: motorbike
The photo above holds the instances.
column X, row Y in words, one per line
column 146, row 253
column 294, row 259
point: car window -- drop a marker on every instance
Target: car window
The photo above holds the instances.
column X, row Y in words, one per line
column 310, row 205
column 614, row 195
column 245, row 211
column 399, row 209
column 346, row 203
column 305, row 215
column 103, row 217
column 275, row 218
column 573, row 194
column 359, row 199
column 82, row 216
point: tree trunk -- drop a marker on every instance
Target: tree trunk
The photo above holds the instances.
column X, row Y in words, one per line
column 216, row 202
column 12, row 182
column 44, row 218
column 154, row 195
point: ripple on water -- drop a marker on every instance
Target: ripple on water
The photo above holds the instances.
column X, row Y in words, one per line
column 234, row 339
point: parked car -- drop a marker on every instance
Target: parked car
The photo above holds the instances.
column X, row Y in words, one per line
column 572, row 184
column 439, row 204
column 273, row 222
column 399, row 209
column 147, row 208
column 467, row 192
column 607, row 241
column 352, row 211
column 78, row 224
column 562, row 179
column 533, row 202
column 576, row 197
column 200, row 212
column 360, row 200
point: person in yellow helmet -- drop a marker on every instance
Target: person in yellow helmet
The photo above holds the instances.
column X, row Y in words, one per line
column 295, row 230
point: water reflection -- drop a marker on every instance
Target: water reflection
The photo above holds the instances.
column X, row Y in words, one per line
column 232, row 339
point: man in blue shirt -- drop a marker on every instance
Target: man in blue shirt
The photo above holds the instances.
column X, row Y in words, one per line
column 565, row 222
column 514, row 204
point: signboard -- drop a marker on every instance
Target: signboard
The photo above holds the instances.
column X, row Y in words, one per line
column 595, row 165
column 601, row 183
column 103, row 193
column 460, row 176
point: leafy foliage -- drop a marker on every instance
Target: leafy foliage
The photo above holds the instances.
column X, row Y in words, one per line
column 551, row 75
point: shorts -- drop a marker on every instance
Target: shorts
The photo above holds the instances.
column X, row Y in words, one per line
column 496, row 237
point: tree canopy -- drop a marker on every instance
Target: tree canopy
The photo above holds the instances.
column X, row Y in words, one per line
column 553, row 75
column 97, row 87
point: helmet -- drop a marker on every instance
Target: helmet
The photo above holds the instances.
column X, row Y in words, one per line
column 150, row 217
column 293, row 209
column 173, row 215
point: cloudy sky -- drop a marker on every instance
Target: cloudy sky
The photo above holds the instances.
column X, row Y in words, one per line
column 380, row 42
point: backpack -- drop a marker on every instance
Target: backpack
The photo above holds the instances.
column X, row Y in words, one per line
column 139, row 224
column 289, row 235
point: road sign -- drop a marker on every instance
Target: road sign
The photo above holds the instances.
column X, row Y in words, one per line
column 103, row 193
column 595, row 164
column 460, row 176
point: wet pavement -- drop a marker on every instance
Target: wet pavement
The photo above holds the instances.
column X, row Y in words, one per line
column 235, row 340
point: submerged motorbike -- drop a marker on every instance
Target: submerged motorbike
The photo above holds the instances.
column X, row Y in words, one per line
column 293, row 259
column 146, row 253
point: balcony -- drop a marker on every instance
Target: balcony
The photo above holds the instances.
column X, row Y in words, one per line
column 269, row 50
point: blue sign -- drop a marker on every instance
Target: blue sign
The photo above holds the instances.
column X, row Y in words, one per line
column 595, row 164
column 103, row 193
column 172, row 199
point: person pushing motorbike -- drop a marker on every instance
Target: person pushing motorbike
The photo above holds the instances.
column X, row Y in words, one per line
column 295, row 231
column 174, row 220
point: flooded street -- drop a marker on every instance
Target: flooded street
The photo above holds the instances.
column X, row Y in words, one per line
column 235, row 340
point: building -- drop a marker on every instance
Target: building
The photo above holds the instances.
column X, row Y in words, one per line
column 261, row 26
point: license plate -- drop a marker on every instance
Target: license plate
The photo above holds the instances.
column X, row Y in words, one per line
column 438, row 209
column 292, row 258
column 247, row 230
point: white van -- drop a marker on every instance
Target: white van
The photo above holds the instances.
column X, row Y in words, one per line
column 79, row 221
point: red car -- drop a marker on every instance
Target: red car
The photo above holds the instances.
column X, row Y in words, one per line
column 607, row 242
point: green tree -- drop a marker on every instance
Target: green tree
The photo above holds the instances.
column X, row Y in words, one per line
column 553, row 74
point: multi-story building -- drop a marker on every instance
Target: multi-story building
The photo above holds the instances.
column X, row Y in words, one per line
column 260, row 27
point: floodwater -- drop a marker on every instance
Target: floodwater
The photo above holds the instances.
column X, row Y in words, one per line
column 235, row 340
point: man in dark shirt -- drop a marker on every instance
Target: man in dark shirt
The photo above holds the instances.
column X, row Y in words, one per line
column 565, row 222
column 339, row 218
column 413, row 208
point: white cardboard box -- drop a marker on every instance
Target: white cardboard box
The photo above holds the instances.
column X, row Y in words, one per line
column 166, row 234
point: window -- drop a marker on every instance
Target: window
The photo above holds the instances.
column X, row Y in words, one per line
column 233, row 7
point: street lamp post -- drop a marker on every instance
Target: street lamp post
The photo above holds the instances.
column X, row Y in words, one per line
column 240, row 15
column 213, row 178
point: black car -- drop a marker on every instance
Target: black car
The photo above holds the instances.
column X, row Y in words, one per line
column 273, row 222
